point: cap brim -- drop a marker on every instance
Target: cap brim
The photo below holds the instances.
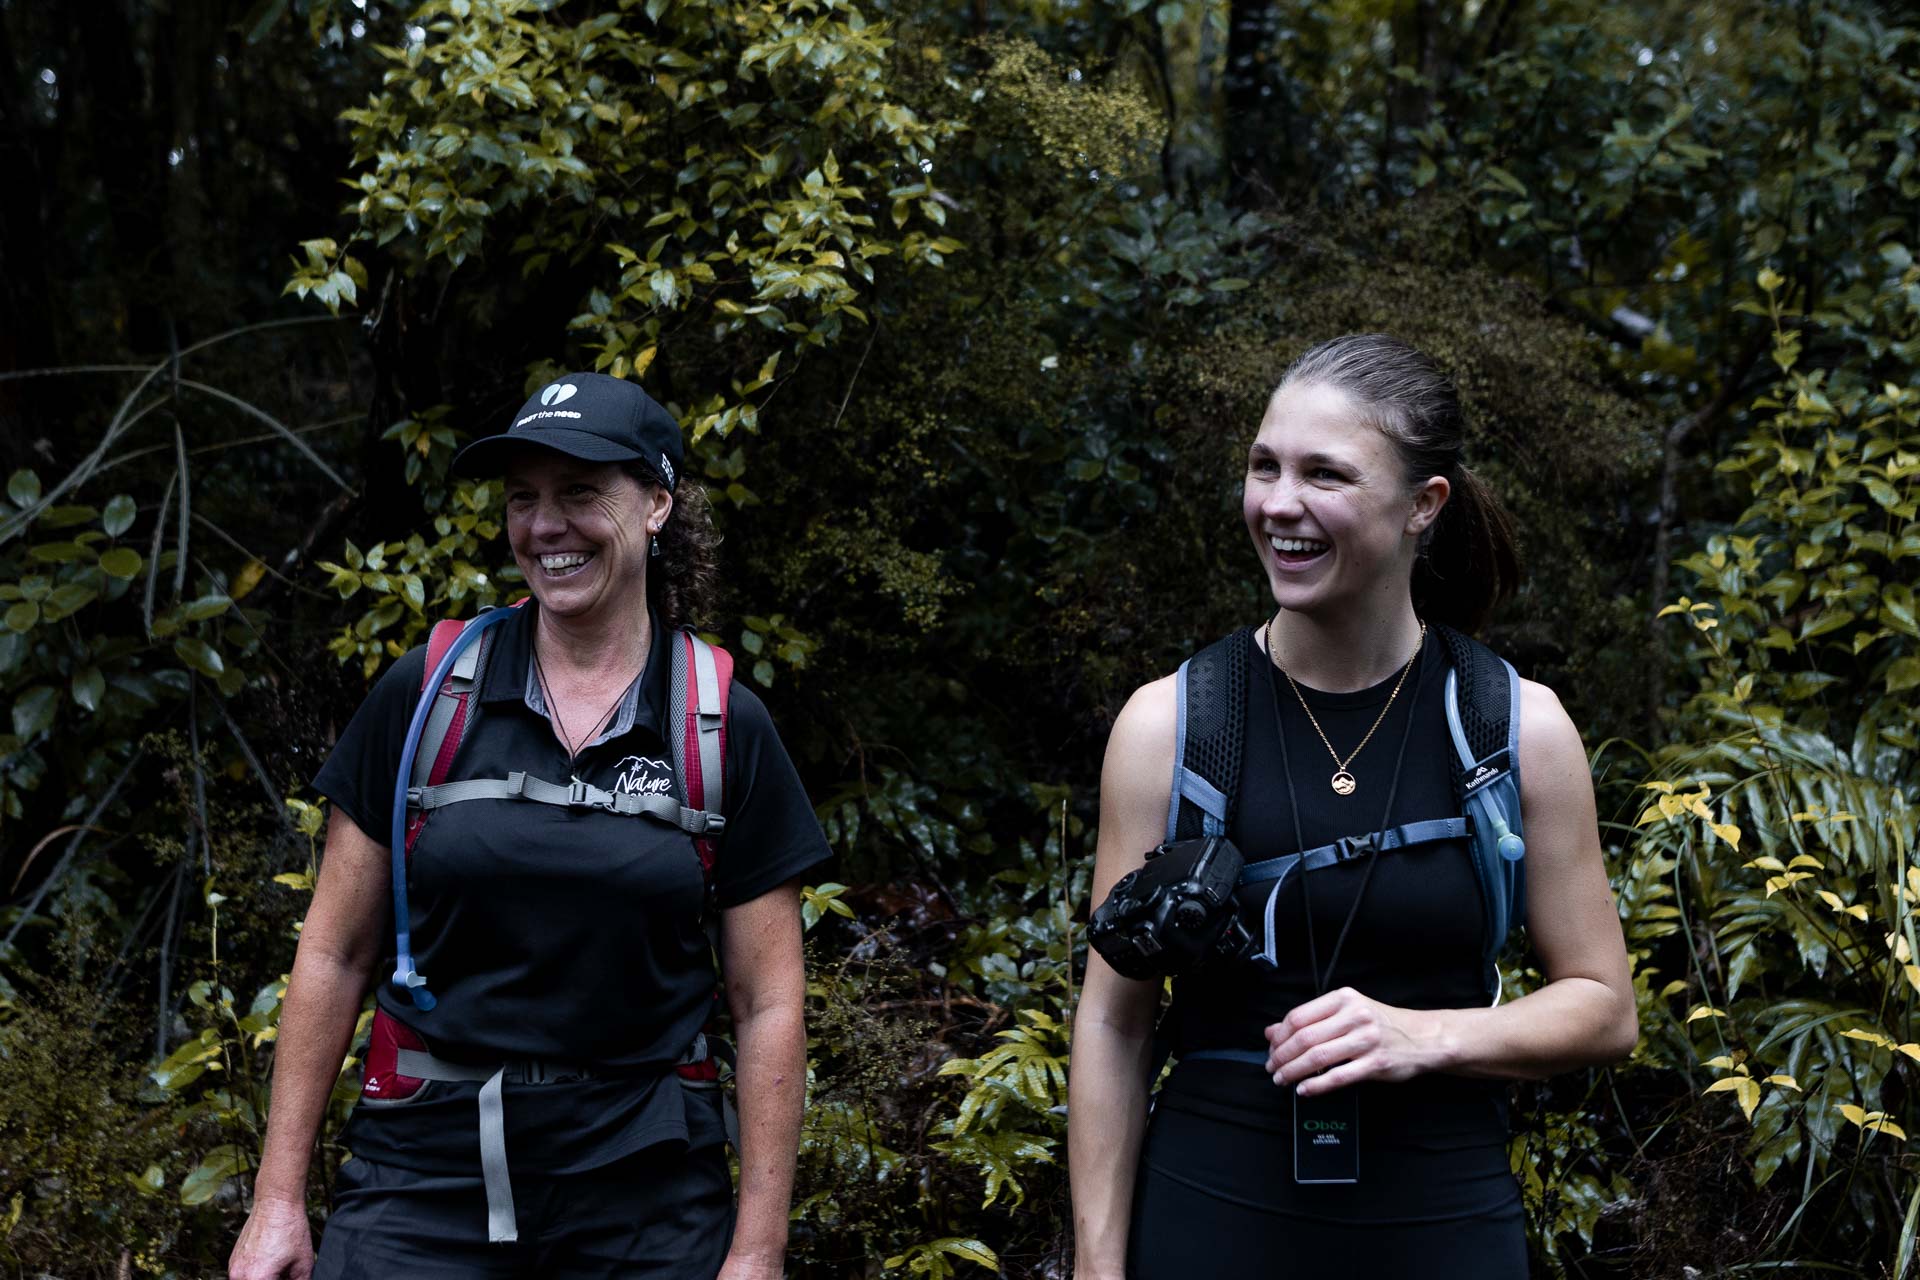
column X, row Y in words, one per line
column 488, row 455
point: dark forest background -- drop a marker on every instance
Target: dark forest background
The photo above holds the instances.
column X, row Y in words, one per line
column 969, row 311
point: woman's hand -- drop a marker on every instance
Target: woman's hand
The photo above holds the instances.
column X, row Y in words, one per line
column 1344, row 1037
column 276, row 1243
column 752, row 1266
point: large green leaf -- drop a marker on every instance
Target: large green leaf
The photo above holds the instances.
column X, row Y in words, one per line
column 33, row 710
column 88, row 685
column 205, row 607
column 65, row 516
column 118, row 517
column 212, row 1172
column 122, row 562
column 67, row 598
column 23, row 487
column 199, row 655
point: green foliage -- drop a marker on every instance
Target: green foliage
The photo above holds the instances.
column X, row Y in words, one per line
column 932, row 1258
column 1781, row 852
column 1812, row 595
column 970, row 313
column 715, row 158
column 74, row 1137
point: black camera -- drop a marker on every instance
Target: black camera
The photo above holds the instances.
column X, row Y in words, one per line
column 1175, row 913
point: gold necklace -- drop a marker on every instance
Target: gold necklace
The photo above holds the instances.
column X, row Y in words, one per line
column 1343, row 783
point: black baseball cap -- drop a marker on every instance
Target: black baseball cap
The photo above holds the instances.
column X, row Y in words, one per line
column 589, row 416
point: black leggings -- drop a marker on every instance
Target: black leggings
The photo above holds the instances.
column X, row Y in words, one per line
column 1185, row 1221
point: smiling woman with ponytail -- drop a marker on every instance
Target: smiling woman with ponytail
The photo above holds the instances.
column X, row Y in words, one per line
column 1363, row 1023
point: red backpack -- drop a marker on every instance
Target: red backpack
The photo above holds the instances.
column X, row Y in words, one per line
column 701, row 679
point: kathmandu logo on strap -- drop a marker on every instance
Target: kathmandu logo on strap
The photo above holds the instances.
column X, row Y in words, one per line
column 640, row 776
column 558, row 393
column 1490, row 770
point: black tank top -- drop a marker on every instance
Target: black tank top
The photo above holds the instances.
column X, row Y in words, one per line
column 1415, row 942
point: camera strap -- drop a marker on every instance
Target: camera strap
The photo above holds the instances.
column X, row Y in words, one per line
column 1322, row 980
column 1326, row 1127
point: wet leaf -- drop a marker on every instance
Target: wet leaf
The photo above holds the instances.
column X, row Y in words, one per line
column 199, row 655
column 33, row 710
column 23, row 487
column 122, row 562
column 118, row 517
column 88, row 685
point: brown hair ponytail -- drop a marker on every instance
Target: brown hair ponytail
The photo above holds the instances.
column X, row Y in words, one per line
column 1468, row 562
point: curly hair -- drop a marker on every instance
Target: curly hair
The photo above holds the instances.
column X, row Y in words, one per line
column 683, row 581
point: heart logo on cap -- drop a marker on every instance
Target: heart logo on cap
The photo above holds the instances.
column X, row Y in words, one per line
column 558, row 393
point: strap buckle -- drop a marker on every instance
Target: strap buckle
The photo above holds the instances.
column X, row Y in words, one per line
column 577, row 795
column 1352, row 847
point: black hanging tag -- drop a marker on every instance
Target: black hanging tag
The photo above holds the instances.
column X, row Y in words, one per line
column 1326, row 1136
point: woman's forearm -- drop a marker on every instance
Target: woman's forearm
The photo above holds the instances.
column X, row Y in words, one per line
column 771, row 1083
column 1570, row 1023
column 316, row 1028
column 1106, row 1122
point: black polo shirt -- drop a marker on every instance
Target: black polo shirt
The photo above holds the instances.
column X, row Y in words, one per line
column 571, row 936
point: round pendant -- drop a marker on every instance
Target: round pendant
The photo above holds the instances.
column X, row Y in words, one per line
column 1343, row 783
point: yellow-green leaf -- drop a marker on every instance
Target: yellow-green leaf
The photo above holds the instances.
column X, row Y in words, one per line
column 121, row 562
column 1745, row 1090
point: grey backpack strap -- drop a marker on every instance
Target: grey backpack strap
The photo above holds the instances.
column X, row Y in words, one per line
column 713, row 779
column 1483, row 721
column 1209, row 735
column 694, row 728
column 447, row 703
column 573, row 795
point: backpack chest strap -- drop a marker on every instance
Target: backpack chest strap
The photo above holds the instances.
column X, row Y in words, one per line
column 1346, row 849
column 573, row 795
column 1351, row 847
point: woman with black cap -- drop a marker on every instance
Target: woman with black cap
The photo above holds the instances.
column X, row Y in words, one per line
column 1337, row 1100
column 532, row 1102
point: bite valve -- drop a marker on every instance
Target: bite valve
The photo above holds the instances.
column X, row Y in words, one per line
column 414, row 983
column 1511, row 846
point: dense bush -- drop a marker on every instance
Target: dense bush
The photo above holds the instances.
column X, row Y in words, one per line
column 969, row 315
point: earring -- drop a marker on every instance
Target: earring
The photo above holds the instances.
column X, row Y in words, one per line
column 653, row 546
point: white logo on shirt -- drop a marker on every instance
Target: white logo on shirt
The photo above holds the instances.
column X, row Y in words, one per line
column 640, row 776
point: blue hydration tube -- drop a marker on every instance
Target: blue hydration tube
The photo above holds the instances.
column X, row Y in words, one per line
column 405, row 976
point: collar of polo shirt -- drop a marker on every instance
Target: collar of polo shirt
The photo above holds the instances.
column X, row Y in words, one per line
column 509, row 674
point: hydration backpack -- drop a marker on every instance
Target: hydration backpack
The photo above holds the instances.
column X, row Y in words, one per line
column 399, row 1061
column 1483, row 723
column 702, row 676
